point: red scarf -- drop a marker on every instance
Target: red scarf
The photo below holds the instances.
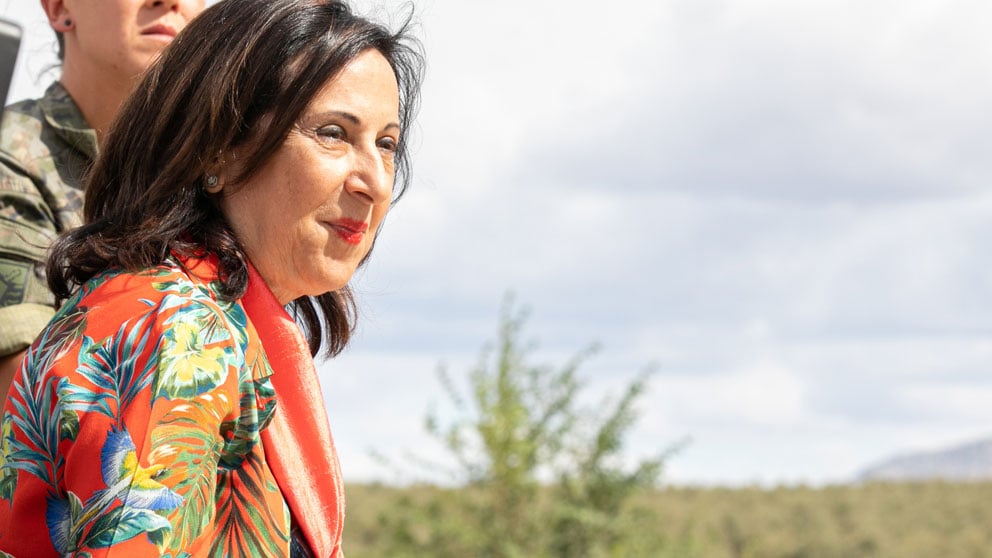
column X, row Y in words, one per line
column 298, row 444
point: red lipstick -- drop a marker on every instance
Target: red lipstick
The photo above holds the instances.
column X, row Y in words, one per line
column 350, row 230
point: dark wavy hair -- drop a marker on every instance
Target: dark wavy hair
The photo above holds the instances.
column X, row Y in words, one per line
column 239, row 76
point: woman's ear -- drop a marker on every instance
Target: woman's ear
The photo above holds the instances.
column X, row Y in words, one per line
column 58, row 15
column 222, row 172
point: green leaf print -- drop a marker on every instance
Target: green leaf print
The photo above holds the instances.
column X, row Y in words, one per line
column 34, row 446
column 123, row 524
column 8, row 475
column 37, row 430
column 52, row 344
column 113, row 366
column 240, row 499
column 192, row 452
column 68, row 420
column 257, row 404
column 75, row 506
column 54, row 341
column 102, row 533
column 197, row 351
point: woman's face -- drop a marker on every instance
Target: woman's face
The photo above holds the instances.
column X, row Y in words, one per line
column 119, row 38
column 310, row 214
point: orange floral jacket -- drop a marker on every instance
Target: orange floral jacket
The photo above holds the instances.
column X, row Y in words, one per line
column 134, row 427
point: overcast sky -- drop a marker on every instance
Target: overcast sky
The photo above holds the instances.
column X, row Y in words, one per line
column 784, row 204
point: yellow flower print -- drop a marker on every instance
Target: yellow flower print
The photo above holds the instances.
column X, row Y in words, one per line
column 187, row 367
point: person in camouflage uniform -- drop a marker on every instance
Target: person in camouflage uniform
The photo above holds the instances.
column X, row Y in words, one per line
column 47, row 145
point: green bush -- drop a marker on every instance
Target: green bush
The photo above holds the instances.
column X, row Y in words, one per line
column 520, row 425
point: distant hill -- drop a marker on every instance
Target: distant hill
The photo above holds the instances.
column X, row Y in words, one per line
column 968, row 462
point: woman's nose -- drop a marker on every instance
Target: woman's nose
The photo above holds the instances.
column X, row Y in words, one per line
column 371, row 176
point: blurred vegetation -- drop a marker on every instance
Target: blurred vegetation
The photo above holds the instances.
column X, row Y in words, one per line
column 878, row 520
column 541, row 469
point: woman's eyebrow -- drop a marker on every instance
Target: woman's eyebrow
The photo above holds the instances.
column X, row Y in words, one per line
column 351, row 118
column 339, row 114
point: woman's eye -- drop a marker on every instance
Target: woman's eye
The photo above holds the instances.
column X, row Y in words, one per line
column 332, row 132
column 387, row 144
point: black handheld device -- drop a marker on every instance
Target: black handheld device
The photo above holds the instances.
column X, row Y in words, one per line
column 10, row 42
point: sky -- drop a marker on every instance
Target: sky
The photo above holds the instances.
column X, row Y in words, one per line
column 782, row 204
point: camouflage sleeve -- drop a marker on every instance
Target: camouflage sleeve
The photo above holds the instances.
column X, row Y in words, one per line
column 27, row 228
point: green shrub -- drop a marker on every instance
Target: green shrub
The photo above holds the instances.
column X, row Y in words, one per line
column 519, row 422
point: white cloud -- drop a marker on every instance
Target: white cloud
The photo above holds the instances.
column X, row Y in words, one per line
column 765, row 395
column 958, row 401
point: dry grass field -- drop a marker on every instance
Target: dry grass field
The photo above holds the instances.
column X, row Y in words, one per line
column 911, row 520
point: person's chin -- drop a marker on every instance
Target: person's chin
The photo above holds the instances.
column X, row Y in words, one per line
column 149, row 47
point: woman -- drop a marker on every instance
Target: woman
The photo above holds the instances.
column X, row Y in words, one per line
column 171, row 407
column 47, row 144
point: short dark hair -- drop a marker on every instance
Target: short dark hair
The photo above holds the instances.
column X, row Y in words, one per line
column 239, row 76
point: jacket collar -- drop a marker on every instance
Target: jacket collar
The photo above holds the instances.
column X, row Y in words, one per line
column 64, row 116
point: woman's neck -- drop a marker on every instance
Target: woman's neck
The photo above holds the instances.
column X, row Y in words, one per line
column 98, row 95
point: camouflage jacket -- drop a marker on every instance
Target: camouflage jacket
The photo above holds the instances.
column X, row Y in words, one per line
column 45, row 148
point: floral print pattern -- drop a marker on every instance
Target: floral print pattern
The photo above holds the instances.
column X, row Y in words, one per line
column 133, row 426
